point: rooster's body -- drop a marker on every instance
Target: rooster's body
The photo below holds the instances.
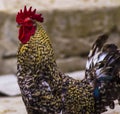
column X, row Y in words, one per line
column 45, row 90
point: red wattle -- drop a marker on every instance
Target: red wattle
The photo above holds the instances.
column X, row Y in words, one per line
column 25, row 33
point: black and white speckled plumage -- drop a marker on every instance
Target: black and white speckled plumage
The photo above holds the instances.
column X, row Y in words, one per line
column 102, row 71
column 45, row 90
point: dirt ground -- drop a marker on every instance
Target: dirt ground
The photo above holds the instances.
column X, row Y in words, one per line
column 14, row 105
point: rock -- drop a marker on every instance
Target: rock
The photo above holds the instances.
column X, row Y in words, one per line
column 13, row 88
column 66, row 47
column 71, row 64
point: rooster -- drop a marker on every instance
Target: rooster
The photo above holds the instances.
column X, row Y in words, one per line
column 45, row 90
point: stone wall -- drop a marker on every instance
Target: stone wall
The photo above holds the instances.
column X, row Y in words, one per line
column 72, row 28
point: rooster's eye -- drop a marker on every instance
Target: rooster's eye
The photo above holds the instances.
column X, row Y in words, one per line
column 18, row 25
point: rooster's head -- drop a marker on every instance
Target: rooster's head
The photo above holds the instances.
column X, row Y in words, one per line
column 26, row 20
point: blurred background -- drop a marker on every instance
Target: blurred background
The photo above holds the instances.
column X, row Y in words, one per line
column 73, row 26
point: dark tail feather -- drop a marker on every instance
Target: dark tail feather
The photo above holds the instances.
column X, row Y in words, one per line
column 95, row 49
column 103, row 72
column 98, row 44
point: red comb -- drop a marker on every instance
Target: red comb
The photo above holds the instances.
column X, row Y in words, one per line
column 22, row 15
